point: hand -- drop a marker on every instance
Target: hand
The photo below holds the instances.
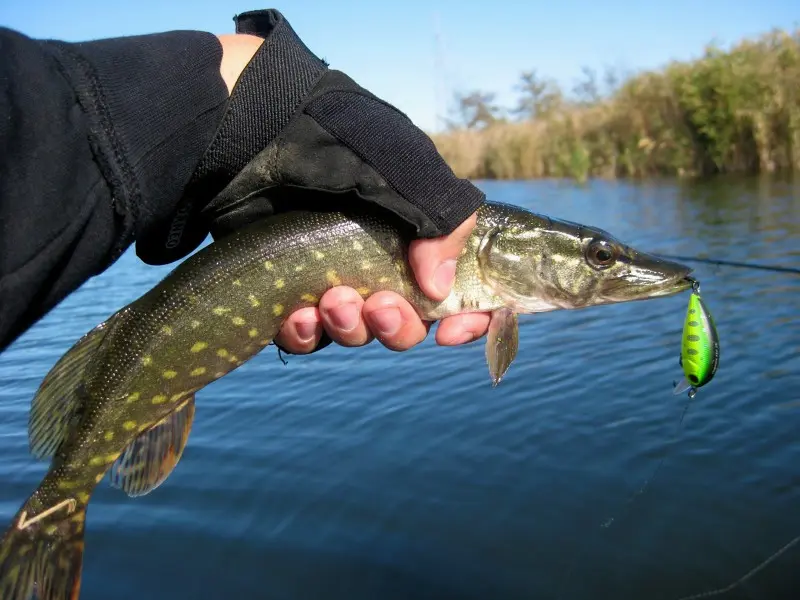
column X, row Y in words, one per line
column 350, row 320
column 297, row 134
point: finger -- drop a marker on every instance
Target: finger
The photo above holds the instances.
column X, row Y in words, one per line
column 393, row 321
column 301, row 331
column 462, row 329
column 434, row 260
column 340, row 308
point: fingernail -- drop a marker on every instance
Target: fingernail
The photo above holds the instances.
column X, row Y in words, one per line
column 443, row 276
column 345, row 316
column 387, row 320
column 306, row 330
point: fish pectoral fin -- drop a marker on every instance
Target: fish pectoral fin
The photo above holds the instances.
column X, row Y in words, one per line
column 57, row 399
column 502, row 343
column 149, row 459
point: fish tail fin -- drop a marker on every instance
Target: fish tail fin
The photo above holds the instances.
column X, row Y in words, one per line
column 42, row 556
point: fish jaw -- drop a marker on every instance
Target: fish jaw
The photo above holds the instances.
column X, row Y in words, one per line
column 647, row 276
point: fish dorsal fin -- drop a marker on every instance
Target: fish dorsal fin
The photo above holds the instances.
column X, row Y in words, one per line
column 502, row 342
column 58, row 397
column 150, row 458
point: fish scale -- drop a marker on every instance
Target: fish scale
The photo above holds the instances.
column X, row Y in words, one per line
column 122, row 399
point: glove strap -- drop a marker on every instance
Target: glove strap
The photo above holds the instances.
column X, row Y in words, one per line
column 269, row 91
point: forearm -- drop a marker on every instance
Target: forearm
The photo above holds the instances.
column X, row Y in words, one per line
column 97, row 141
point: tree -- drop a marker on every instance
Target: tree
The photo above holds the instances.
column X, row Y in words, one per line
column 476, row 110
column 538, row 97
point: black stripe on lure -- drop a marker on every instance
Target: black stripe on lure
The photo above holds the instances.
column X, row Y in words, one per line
column 699, row 346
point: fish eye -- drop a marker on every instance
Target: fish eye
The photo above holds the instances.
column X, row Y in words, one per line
column 600, row 254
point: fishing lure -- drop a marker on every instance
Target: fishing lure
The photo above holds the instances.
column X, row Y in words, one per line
column 699, row 357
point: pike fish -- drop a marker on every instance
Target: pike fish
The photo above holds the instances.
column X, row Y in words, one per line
column 121, row 401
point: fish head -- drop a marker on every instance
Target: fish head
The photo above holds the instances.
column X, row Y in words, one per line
column 537, row 264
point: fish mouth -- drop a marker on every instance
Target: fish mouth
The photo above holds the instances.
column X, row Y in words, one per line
column 679, row 285
column 667, row 277
column 652, row 277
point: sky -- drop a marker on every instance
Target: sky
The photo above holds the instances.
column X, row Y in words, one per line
column 416, row 54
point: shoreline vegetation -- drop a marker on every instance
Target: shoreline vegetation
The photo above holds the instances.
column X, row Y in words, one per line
column 729, row 111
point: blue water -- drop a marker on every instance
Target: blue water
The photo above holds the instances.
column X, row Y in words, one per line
column 367, row 474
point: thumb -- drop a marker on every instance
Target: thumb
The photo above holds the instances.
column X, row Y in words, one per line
column 434, row 260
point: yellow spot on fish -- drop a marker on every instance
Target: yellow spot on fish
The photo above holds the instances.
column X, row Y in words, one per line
column 357, row 246
column 157, row 399
column 133, row 397
column 220, row 310
column 299, row 268
column 51, row 529
column 129, row 425
column 169, row 374
column 365, row 266
column 83, row 497
column 166, row 330
column 254, row 301
column 363, row 291
column 195, row 324
column 264, row 342
column 176, row 397
column 222, row 353
column 309, row 298
column 80, row 516
column 318, row 255
column 237, row 282
column 233, row 359
column 97, row 479
column 66, row 484
column 199, row 346
column 279, row 283
column 333, row 278
column 146, row 360
column 108, row 436
column 383, row 279
column 238, row 321
column 277, row 310
column 198, row 371
column 97, row 461
column 268, row 265
column 219, row 374
column 252, row 333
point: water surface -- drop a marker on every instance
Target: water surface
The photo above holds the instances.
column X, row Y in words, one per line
column 367, row 474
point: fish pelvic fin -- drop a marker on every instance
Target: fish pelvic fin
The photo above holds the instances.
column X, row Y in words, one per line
column 502, row 343
column 149, row 459
column 58, row 398
column 41, row 553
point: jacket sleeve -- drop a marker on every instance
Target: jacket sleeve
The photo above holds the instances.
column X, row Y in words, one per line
column 97, row 141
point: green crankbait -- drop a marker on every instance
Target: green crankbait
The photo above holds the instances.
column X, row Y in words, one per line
column 699, row 346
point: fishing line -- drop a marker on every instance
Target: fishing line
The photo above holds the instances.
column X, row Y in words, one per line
column 746, row 576
column 732, row 263
column 629, row 502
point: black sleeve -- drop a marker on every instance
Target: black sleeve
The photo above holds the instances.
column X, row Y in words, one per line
column 97, row 141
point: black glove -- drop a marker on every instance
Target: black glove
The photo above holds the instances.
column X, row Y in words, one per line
column 297, row 131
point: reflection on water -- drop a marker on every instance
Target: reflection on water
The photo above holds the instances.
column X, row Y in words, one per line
column 362, row 473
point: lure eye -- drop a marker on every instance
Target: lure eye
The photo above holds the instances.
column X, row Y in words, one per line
column 600, row 254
